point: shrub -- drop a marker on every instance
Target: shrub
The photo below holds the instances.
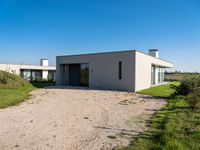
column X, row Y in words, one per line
column 187, row 85
column 193, row 99
column 11, row 81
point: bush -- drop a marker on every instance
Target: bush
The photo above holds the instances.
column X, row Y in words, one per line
column 193, row 99
column 11, row 81
column 187, row 85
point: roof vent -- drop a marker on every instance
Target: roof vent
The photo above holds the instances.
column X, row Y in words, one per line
column 154, row 53
column 44, row 62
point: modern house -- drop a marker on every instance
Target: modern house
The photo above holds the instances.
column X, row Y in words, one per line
column 31, row 72
column 130, row 70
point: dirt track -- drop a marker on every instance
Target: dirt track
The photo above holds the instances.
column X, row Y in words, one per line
column 73, row 119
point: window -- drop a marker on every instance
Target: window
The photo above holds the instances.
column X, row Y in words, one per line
column 120, row 70
column 152, row 75
column 85, row 74
column 157, row 75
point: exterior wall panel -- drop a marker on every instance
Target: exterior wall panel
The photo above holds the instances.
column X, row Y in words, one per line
column 143, row 70
column 103, row 71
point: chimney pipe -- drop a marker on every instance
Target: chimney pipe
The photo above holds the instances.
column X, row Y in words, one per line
column 154, row 52
column 44, row 62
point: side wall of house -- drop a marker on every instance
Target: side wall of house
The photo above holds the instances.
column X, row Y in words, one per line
column 143, row 65
column 103, row 69
column 10, row 68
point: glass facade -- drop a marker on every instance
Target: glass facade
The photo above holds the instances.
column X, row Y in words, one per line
column 84, row 74
column 152, row 75
column 36, row 75
column 51, row 75
column 26, row 74
column 157, row 75
column 161, row 75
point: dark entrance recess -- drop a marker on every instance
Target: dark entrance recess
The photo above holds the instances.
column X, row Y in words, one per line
column 74, row 75
column 79, row 74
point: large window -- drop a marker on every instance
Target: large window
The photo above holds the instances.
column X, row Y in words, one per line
column 51, row 75
column 161, row 75
column 36, row 75
column 31, row 75
column 26, row 74
column 84, row 74
column 157, row 75
column 153, row 75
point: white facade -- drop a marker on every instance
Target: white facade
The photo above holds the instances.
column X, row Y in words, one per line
column 45, row 74
column 44, row 62
column 31, row 72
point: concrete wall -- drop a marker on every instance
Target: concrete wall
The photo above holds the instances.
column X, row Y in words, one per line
column 10, row 68
column 103, row 73
column 104, row 69
column 44, row 62
column 143, row 63
column 45, row 74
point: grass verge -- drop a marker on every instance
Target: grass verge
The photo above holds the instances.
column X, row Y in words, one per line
column 176, row 127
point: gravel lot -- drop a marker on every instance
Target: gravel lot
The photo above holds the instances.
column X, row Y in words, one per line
column 73, row 119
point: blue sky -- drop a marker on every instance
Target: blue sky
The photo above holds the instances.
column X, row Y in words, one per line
column 34, row 29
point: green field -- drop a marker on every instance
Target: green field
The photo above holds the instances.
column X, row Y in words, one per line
column 179, row 76
column 176, row 127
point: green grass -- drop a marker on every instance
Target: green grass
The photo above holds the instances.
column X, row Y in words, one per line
column 164, row 90
column 14, row 89
column 11, row 97
column 176, row 127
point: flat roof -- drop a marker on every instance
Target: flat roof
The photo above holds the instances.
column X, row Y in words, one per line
column 121, row 51
column 32, row 67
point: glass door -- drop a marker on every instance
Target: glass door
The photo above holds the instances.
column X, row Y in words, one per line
column 84, row 74
column 153, row 75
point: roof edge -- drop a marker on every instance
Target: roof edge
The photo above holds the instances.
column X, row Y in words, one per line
column 121, row 51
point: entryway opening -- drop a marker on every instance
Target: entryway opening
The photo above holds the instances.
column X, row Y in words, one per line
column 79, row 74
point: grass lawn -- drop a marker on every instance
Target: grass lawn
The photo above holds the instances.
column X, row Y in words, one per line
column 14, row 89
column 164, row 90
column 11, row 97
column 176, row 127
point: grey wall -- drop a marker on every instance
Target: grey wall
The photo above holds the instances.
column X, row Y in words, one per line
column 63, row 76
column 103, row 71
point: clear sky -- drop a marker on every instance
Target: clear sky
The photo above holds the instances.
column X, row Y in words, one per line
column 34, row 29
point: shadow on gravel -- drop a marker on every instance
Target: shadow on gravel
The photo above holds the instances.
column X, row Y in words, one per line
column 118, row 129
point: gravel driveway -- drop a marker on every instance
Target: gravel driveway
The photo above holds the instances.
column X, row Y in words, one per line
column 73, row 119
